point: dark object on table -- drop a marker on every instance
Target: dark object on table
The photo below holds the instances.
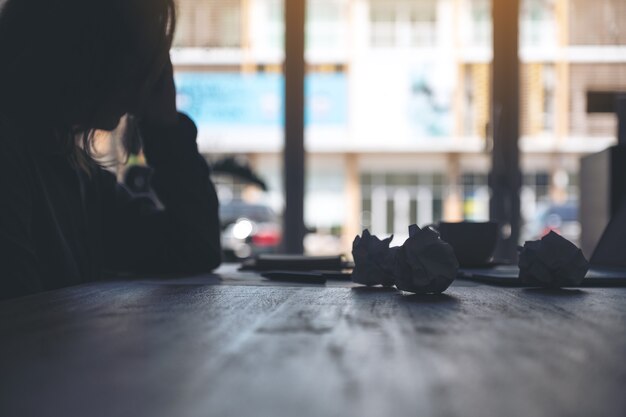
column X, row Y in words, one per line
column 473, row 242
column 302, row 277
column 611, row 249
column 373, row 260
column 552, row 261
column 603, row 174
column 344, row 275
column 607, row 268
column 602, row 190
column 424, row 264
column 508, row 276
column 295, row 263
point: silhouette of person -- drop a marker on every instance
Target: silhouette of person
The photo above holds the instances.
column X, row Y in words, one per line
column 70, row 67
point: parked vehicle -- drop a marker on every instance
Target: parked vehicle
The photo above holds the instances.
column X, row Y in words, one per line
column 561, row 218
column 248, row 230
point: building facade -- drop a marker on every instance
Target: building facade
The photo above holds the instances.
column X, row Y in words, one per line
column 398, row 102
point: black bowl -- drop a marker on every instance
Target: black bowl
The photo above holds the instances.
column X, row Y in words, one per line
column 473, row 242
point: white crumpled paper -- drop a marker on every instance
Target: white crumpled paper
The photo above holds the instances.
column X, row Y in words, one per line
column 372, row 260
column 552, row 261
column 423, row 264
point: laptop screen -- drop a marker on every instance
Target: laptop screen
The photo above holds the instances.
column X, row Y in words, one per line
column 611, row 249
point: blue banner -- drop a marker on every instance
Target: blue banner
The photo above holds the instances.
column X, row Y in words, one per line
column 233, row 98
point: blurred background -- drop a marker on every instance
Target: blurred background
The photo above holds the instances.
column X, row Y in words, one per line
column 397, row 111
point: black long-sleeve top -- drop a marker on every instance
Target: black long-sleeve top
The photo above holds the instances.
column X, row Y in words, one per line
column 61, row 226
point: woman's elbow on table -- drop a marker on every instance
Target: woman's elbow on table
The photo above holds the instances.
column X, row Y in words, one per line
column 212, row 260
column 204, row 255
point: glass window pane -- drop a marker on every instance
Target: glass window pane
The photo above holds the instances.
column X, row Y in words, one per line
column 568, row 49
column 398, row 103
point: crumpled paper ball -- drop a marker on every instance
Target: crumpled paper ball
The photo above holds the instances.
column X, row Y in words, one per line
column 425, row 263
column 552, row 262
column 373, row 260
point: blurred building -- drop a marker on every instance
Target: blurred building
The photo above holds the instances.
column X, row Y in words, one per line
column 398, row 101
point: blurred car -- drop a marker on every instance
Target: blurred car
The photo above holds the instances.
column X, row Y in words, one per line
column 561, row 218
column 248, row 230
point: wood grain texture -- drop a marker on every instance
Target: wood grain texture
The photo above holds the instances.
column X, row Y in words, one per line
column 240, row 346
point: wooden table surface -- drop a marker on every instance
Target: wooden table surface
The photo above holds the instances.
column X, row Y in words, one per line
column 241, row 346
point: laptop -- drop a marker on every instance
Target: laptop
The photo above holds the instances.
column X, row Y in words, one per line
column 607, row 265
column 508, row 275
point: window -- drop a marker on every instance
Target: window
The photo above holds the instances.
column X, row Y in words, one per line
column 403, row 23
column 537, row 23
column 395, row 134
column 209, row 24
column 327, row 26
column 476, row 24
column 391, row 201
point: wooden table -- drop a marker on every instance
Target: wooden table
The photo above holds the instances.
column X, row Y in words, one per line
column 241, row 346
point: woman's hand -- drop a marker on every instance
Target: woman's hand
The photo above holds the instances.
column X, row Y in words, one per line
column 159, row 102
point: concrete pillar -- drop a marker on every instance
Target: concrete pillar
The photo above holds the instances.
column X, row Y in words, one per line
column 505, row 177
column 453, row 200
column 293, row 154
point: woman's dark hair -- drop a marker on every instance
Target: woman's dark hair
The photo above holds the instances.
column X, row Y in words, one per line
column 61, row 60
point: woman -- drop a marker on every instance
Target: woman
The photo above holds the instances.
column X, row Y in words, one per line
column 70, row 67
